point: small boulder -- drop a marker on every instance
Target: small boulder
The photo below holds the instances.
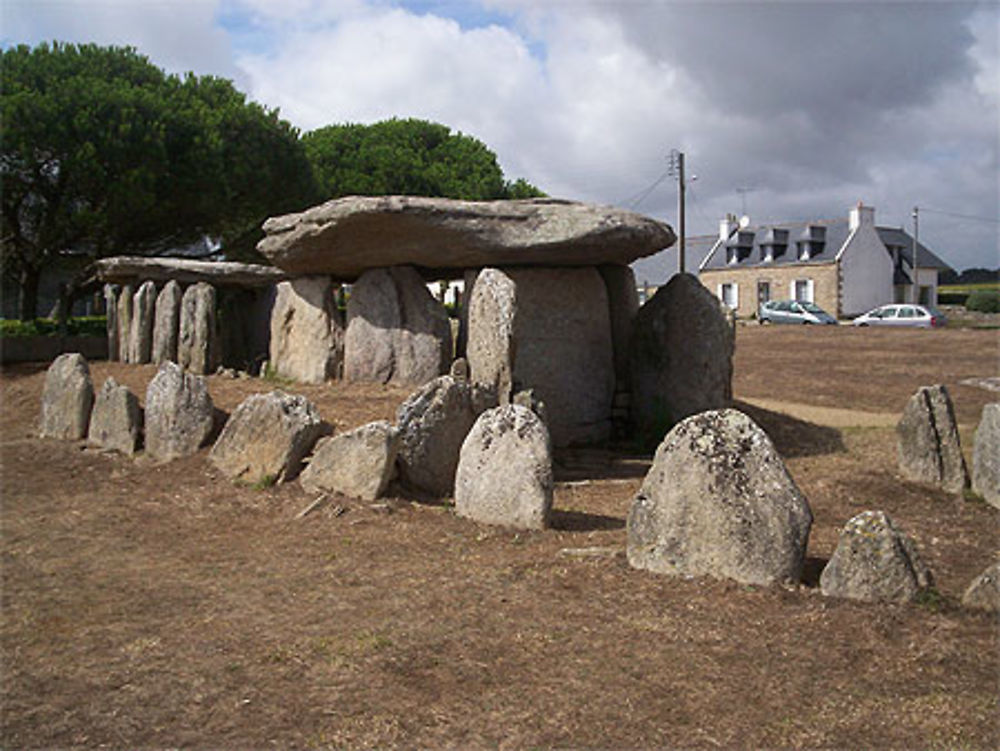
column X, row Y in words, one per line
column 396, row 331
column 927, row 441
column 984, row 591
column 718, row 501
column 986, row 456
column 504, row 471
column 874, row 561
column 359, row 463
column 116, row 420
column 433, row 422
column 267, row 437
column 67, row 398
column 179, row 413
column 166, row 323
column 307, row 334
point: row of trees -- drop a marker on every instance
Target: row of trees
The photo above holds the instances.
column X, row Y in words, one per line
column 105, row 154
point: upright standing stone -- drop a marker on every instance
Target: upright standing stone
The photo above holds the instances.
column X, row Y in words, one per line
column 986, row 455
column 141, row 331
column 396, row 331
column 267, row 437
column 433, row 422
column 166, row 323
column 307, row 335
column 491, row 352
column 681, row 357
column 116, row 420
column 504, row 471
column 196, row 346
column 359, row 463
column 111, row 311
column 718, row 501
column 125, row 322
column 927, row 441
column 67, row 398
column 179, row 413
column 623, row 301
column 553, row 328
column 874, row 561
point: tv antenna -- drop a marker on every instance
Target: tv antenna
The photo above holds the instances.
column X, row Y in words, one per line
column 743, row 190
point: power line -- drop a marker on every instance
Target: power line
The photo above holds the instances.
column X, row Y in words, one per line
column 991, row 220
column 636, row 198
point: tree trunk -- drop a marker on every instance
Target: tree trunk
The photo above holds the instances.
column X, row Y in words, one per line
column 28, row 304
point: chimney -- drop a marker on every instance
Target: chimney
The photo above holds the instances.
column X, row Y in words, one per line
column 727, row 227
column 862, row 215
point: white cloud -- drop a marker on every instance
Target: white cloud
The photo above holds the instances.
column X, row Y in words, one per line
column 813, row 104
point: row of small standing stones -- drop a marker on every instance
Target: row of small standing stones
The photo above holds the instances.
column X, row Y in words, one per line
column 717, row 500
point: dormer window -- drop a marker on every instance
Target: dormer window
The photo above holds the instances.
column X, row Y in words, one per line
column 811, row 242
column 773, row 245
column 740, row 246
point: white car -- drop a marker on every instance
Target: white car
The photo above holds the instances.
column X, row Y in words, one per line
column 916, row 316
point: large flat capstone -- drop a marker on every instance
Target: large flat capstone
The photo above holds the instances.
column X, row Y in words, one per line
column 347, row 236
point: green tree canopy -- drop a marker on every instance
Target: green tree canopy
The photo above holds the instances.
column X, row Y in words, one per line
column 104, row 154
column 407, row 157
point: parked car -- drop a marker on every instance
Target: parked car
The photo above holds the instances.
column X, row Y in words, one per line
column 793, row 311
column 918, row 316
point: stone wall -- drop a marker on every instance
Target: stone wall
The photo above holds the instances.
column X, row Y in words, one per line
column 825, row 278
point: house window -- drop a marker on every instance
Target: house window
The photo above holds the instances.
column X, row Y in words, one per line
column 730, row 295
column 802, row 290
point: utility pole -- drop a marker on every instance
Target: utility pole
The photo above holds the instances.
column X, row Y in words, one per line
column 677, row 170
column 916, row 263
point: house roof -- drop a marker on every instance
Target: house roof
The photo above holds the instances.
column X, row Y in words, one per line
column 836, row 233
column 892, row 236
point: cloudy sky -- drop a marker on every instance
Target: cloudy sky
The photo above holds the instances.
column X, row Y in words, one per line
column 785, row 110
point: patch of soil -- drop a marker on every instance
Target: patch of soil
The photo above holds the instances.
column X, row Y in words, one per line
column 161, row 606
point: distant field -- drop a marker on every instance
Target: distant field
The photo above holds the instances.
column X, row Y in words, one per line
column 966, row 288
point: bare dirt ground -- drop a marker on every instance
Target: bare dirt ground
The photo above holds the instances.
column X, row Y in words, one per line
column 150, row 606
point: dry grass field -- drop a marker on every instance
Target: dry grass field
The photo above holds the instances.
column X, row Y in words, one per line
column 148, row 606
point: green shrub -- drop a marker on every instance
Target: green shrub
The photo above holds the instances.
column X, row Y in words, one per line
column 79, row 326
column 984, row 301
column 952, row 298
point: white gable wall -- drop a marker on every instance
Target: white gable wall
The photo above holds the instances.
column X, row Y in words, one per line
column 865, row 271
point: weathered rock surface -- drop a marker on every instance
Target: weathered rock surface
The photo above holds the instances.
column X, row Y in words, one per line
column 307, row 335
column 433, row 422
column 504, row 474
column 67, row 398
column 196, row 342
column 359, row 463
column 179, row 413
column 125, row 299
column 718, row 501
column 396, row 331
column 267, row 437
column 348, row 236
column 130, row 269
column 927, row 442
column 140, row 339
column 166, row 323
column 554, row 326
column 623, row 303
column 984, row 591
column 986, row 455
column 874, row 561
column 111, row 325
column 116, row 420
column 681, row 357
column 491, row 352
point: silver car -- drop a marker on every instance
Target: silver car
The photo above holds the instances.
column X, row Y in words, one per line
column 904, row 314
column 794, row 311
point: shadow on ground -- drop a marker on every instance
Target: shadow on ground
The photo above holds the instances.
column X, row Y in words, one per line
column 793, row 437
column 580, row 521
